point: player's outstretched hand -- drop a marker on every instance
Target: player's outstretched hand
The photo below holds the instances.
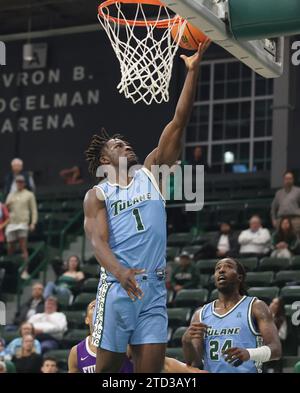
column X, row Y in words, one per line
column 128, row 282
column 236, row 356
column 193, row 62
column 197, row 330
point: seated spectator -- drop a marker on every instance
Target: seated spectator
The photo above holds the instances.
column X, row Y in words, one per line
column 49, row 365
column 68, row 281
column 285, row 240
column 50, row 325
column 34, row 305
column 16, row 344
column 3, row 369
column 23, row 218
column 26, row 359
column 71, row 176
column 4, row 354
column 225, row 243
column 4, row 220
column 10, row 185
column 254, row 241
column 185, row 275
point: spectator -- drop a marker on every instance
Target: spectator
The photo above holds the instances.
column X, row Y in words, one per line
column 71, row 176
column 254, row 241
column 284, row 241
column 10, row 185
column 3, row 369
column 4, row 354
column 33, row 306
column 225, row 244
column 23, row 217
column 198, row 159
column 49, row 365
column 27, row 360
column 68, row 281
column 50, row 325
column 184, row 275
column 287, row 203
column 16, row 344
column 4, row 220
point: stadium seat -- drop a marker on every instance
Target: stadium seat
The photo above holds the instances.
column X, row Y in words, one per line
column 191, row 297
column 73, row 337
column 75, row 319
column 213, row 295
column 179, row 239
column 250, row 264
column 295, row 262
column 175, row 353
column 257, row 279
column 82, row 301
column 177, row 336
column 10, row 367
column 264, row 293
column 172, row 252
column 192, row 250
column 91, row 270
column 8, row 336
column 90, row 285
column 206, row 265
column 287, row 276
column 289, row 362
column 290, row 294
column 61, row 356
column 170, row 297
column 275, row 264
column 289, row 310
column 203, row 280
column 179, row 316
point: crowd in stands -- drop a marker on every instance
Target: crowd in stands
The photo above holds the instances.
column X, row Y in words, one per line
column 41, row 324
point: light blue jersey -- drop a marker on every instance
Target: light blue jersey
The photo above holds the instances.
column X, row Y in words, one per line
column 137, row 222
column 233, row 329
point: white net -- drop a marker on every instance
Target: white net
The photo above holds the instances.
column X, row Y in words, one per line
column 146, row 54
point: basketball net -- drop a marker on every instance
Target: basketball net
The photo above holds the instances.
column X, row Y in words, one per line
column 146, row 60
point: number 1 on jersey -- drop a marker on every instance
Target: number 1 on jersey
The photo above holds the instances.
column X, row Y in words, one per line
column 138, row 219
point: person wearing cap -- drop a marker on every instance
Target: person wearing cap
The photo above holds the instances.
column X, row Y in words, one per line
column 185, row 275
column 10, row 184
column 23, row 218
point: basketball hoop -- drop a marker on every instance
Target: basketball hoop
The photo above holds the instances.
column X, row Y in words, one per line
column 143, row 46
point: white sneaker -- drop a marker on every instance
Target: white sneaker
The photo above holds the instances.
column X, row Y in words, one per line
column 25, row 275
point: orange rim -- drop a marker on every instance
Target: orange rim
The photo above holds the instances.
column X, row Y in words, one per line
column 162, row 24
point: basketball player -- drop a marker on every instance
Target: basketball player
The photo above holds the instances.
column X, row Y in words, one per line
column 235, row 333
column 82, row 357
column 126, row 225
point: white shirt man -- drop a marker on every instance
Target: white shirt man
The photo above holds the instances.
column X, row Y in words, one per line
column 256, row 239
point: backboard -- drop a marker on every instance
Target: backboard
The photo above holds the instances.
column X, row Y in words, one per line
column 264, row 56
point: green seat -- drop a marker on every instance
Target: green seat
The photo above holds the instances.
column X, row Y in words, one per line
column 179, row 239
column 213, row 295
column 259, row 279
column 249, row 264
column 289, row 361
column 9, row 336
column 203, row 280
column 286, row 276
column 75, row 318
column 295, row 262
column 74, row 336
column 59, row 354
column 179, row 316
column 206, row 265
column 266, row 294
column 91, row 270
column 82, row 300
column 177, row 336
column 275, row 264
column 175, row 353
column 297, row 368
column 172, row 252
column 191, row 297
column 289, row 310
column 90, row 285
column 290, row 294
column 10, row 367
column 170, row 296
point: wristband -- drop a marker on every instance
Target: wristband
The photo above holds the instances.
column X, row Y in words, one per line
column 261, row 355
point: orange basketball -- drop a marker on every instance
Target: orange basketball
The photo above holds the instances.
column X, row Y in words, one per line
column 191, row 37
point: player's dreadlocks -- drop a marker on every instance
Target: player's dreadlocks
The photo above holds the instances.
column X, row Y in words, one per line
column 93, row 153
column 241, row 271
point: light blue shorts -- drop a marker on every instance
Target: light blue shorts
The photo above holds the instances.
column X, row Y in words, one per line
column 118, row 321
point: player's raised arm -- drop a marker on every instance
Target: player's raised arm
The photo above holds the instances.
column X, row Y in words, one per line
column 170, row 143
column 192, row 341
column 96, row 229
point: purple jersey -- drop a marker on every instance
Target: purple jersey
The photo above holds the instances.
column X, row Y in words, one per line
column 86, row 359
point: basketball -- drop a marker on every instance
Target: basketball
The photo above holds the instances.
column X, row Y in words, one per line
column 191, row 37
